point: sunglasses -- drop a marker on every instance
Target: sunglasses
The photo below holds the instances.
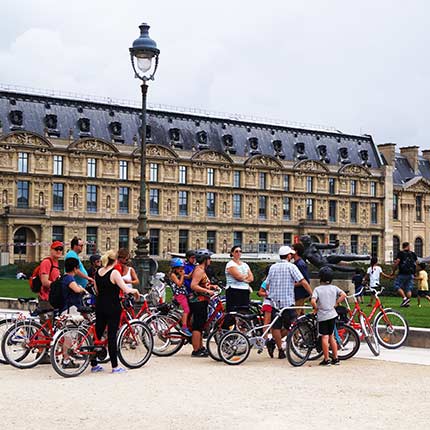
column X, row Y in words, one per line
column 58, row 249
column 237, row 250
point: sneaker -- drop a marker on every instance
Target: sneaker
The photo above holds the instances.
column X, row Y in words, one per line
column 270, row 345
column 186, row 331
column 281, row 354
column 96, row 369
column 69, row 364
column 405, row 303
column 199, row 353
column 335, row 361
column 203, row 350
column 325, row 363
column 119, row 370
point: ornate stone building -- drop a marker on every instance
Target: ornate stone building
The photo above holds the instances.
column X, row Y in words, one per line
column 71, row 167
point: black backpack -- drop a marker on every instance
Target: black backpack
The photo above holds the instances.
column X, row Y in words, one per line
column 408, row 264
column 56, row 296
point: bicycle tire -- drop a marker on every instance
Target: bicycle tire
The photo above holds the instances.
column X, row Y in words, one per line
column 14, row 347
column 78, row 338
column 391, row 329
column 4, row 326
column 135, row 344
column 234, row 348
column 212, row 343
column 348, row 342
column 299, row 346
column 369, row 336
column 164, row 345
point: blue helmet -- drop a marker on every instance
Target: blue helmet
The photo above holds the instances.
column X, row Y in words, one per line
column 176, row 262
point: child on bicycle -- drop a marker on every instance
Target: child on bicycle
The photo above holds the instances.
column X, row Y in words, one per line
column 325, row 299
column 423, row 286
column 267, row 311
column 176, row 277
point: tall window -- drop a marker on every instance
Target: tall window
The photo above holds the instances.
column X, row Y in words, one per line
column 262, row 207
column 237, row 238
column 58, row 196
column 236, row 179
column 353, row 187
column 153, row 172
column 123, row 169
column 332, row 238
column 183, row 202
column 91, row 167
column 237, row 205
column 353, row 212
column 154, row 241
column 418, row 247
column 288, row 238
column 91, row 198
column 419, row 208
column 331, row 186
column 211, row 242
column 123, row 203
column 286, row 182
column 374, row 246
column 182, row 174
column 91, row 240
column 262, row 181
column 154, row 205
column 123, row 238
column 22, row 162
column 310, row 184
column 354, row 244
column 58, row 165
column 374, row 213
column 373, row 189
column 210, row 204
column 211, row 176
column 23, row 197
column 58, row 233
column 286, row 208
column 332, row 209
column 309, row 209
column 396, row 246
column 395, row 206
column 262, row 241
column 183, row 240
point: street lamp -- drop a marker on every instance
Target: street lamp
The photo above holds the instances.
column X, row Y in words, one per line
column 143, row 51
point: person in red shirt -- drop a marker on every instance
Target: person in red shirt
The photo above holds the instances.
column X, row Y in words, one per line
column 49, row 272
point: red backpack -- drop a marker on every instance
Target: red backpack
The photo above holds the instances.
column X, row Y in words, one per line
column 35, row 281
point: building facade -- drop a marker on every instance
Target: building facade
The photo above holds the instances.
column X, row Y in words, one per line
column 71, row 167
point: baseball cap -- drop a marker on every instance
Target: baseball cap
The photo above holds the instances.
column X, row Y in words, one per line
column 57, row 244
column 285, row 250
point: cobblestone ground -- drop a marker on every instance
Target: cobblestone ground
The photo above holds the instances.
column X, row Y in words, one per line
column 183, row 392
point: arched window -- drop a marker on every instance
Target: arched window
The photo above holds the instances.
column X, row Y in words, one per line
column 418, row 247
column 396, row 246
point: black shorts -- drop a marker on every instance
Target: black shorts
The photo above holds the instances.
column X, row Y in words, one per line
column 423, row 293
column 199, row 315
column 326, row 327
column 287, row 318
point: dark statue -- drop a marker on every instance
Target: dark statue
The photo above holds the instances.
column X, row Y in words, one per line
column 314, row 255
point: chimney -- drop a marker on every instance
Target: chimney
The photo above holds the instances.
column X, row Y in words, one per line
column 411, row 154
column 426, row 154
column 388, row 150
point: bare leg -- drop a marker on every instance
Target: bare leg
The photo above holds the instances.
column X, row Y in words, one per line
column 278, row 338
column 401, row 293
column 267, row 319
column 196, row 340
column 324, row 343
column 333, row 346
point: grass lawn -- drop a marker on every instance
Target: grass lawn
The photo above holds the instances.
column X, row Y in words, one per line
column 416, row 317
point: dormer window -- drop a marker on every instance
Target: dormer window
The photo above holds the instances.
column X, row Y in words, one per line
column 51, row 123
column 227, row 140
column 253, row 145
column 202, row 139
column 277, row 147
column 175, row 137
column 343, row 154
column 115, row 128
column 84, row 126
column 300, row 151
column 364, row 155
column 16, row 118
column 322, row 151
column 148, row 132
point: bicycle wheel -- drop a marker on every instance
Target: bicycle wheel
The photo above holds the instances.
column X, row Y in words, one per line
column 234, row 347
column 348, row 342
column 369, row 335
column 21, row 345
column 212, row 342
column 135, row 343
column 165, row 343
column 70, row 352
column 4, row 326
column 391, row 329
column 299, row 344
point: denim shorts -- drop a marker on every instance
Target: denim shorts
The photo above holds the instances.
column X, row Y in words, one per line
column 405, row 282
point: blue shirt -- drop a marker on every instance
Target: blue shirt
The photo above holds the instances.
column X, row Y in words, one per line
column 70, row 298
column 188, row 268
column 80, row 281
column 300, row 292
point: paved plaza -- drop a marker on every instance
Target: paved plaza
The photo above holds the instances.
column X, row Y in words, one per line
column 182, row 392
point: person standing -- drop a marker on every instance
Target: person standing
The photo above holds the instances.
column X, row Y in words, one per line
column 423, row 286
column 373, row 276
column 300, row 294
column 238, row 277
column 406, row 263
column 283, row 277
column 76, row 246
column 123, row 266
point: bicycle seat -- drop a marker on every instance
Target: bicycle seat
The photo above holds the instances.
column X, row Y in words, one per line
column 26, row 299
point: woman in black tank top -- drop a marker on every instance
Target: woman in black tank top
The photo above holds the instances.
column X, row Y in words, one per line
column 108, row 306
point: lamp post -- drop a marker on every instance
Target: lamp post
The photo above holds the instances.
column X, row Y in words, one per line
column 142, row 52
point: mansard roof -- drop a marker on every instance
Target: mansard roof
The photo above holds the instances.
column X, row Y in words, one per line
column 403, row 171
column 76, row 119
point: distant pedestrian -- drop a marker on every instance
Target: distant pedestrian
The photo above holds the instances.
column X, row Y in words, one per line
column 423, row 286
column 405, row 262
column 373, row 276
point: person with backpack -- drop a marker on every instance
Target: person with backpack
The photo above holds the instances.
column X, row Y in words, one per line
column 406, row 263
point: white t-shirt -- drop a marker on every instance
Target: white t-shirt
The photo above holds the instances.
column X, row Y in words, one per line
column 243, row 269
column 374, row 275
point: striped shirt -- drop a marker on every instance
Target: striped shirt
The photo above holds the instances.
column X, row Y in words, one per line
column 280, row 281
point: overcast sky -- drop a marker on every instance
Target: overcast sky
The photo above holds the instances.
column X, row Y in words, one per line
column 361, row 67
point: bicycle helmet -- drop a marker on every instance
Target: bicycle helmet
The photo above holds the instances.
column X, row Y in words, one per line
column 202, row 255
column 326, row 274
column 176, row 262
